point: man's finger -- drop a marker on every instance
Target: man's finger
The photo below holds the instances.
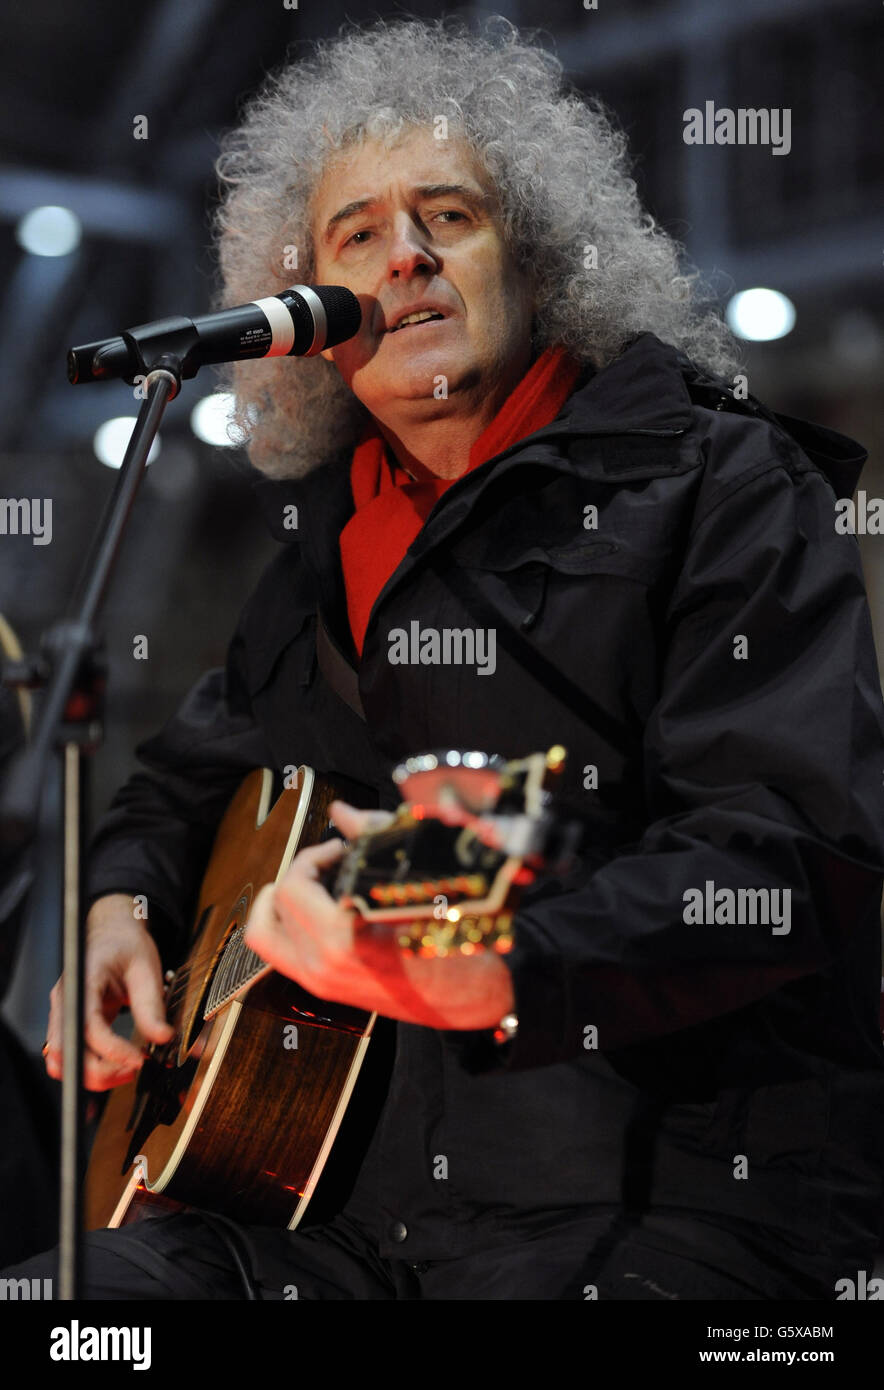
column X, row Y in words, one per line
column 101, row 1038
column 263, row 935
column 300, row 891
column 145, row 992
column 353, row 822
column 100, row 1075
column 53, row 1026
column 262, row 920
column 309, row 862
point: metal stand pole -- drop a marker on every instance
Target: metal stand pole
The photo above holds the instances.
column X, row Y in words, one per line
column 69, row 667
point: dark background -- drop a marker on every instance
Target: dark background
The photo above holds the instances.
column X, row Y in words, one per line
column 73, row 76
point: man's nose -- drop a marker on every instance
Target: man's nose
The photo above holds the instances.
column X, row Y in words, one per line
column 409, row 248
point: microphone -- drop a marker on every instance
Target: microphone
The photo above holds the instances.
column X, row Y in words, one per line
column 299, row 322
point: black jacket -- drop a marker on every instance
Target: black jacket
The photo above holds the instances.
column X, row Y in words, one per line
column 706, row 647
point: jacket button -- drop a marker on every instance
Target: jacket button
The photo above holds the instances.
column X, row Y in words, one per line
column 398, row 1231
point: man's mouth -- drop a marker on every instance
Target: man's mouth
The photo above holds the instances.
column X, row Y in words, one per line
column 424, row 316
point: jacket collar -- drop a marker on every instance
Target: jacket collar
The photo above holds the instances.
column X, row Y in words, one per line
column 651, row 389
column 642, row 391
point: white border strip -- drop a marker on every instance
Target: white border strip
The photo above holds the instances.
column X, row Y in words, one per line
column 282, row 326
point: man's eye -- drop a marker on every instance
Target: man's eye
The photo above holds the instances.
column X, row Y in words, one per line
column 451, row 212
column 444, row 212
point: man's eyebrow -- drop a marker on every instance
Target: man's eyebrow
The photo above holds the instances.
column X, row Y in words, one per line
column 475, row 196
column 457, row 190
column 345, row 213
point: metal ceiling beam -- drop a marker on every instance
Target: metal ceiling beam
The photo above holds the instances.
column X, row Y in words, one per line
column 635, row 39
column 148, row 76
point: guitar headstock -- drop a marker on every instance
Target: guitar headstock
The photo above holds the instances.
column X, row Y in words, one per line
column 444, row 874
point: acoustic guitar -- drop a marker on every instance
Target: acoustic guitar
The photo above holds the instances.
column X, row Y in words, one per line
column 239, row 1112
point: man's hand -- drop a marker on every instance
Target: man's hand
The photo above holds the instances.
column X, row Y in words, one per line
column 122, row 967
column 299, row 929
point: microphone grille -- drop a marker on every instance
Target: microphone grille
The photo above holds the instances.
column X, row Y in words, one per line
column 342, row 311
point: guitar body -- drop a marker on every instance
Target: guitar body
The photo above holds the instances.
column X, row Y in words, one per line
column 239, row 1112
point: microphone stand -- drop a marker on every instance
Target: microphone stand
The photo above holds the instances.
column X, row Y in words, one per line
column 70, row 670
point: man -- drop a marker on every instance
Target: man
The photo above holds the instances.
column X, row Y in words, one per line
column 685, row 1101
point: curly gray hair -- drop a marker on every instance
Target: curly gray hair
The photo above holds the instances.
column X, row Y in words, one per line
column 561, row 170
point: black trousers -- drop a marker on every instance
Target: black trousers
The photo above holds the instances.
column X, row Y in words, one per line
column 563, row 1256
column 28, row 1147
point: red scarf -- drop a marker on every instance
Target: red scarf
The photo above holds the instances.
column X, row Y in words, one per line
column 391, row 508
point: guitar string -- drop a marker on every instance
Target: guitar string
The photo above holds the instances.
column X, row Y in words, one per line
column 183, row 975
column 183, row 979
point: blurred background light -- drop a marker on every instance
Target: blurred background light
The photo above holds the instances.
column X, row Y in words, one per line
column 112, row 438
column 211, row 418
column 49, row 231
column 760, row 315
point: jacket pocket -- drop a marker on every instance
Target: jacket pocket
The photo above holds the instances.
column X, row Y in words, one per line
column 552, row 573
column 770, row 1126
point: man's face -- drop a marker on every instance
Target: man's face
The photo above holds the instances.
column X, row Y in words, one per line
column 412, row 224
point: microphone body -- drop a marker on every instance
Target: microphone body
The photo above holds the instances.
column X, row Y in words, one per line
column 299, row 322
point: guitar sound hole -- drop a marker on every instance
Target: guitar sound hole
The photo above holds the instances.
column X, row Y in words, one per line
column 194, row 1024
column 188, row 1024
